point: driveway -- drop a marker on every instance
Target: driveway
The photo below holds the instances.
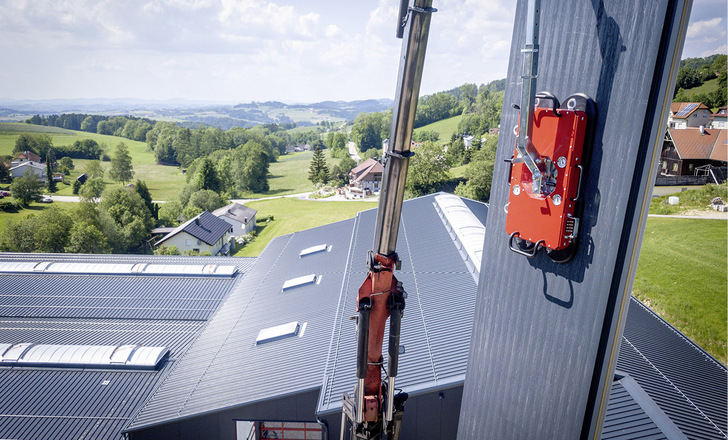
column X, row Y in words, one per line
column 352, row 152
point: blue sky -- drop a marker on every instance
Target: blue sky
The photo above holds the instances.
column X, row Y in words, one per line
column 245, row 50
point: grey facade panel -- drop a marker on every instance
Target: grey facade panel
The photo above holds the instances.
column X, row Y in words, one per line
column 558, row 325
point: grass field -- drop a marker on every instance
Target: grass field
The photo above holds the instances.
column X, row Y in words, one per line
column 682, row 276
column 698, row 199
column 290, row 174
column 164, row 182
column 444, row 128
column 35, row 208
column 705, row 88
column 293, row 215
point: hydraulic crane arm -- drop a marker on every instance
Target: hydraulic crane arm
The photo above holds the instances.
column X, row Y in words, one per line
column 375, row 412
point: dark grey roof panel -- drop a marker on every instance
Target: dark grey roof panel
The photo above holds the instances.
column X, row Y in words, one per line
column 625, row 418
column 205, row 227
column 112, row 297
column 687, row 383
column 70, row 403
column 226, row 348
column 438, row 315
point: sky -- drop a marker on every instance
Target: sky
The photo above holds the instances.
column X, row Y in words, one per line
column 257, row 50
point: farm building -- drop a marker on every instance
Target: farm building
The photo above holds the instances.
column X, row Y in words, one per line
column 266, row 344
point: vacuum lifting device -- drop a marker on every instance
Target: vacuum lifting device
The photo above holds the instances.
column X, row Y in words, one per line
column 547, row 167
column 376, row 412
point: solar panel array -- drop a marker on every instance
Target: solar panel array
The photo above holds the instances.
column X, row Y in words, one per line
column 687, row 109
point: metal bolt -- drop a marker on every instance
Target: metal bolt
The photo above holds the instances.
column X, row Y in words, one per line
column 557, row 200
column 516, row 190
column 561, row 162
column 571, row 104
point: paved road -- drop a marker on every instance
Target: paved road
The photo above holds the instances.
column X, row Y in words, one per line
column 352, row 152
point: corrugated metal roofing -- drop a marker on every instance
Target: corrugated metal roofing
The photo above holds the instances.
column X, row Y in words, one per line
column 96, row 310
column 688, row 384
column 227, row 347
column 436, row 337
column 237, row 212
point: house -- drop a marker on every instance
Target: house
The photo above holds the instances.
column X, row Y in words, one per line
column 268, row 344
column 26, row 156
column 297, row 148
column 202, row 233
column 685, row 150
column 240, row 217
column 82, row 178
column 365, row 178
column 29, row 167
column 719, row 119
column 688, row 114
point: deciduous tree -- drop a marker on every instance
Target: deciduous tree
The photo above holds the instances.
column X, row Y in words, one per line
column 121, row 169
column 427, row 169
column 125, row 220
column 87, row 238
column 27, row 188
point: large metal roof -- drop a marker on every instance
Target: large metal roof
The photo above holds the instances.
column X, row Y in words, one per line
column 227, row 348
column 661, row 392
column 72, row 312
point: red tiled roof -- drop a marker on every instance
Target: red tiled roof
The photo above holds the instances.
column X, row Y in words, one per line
column 720, row 150
column 29, row 155
column 691, row 144
column 365, row 168
column 675, row 108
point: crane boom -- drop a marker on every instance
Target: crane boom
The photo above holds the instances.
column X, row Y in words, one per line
column 376, row 412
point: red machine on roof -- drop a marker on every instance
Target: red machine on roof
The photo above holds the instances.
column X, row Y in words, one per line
column 376, row 409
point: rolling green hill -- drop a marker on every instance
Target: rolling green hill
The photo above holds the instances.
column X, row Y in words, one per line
column 445, row 128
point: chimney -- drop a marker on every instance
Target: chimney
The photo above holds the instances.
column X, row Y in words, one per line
column 702, row 130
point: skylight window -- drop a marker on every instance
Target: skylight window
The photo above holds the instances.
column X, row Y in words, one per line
column 92, row 356
column 301, row 281
column 279, row 332
column 314, row 250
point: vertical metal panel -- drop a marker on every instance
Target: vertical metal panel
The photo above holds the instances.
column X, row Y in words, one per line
column 544, row 337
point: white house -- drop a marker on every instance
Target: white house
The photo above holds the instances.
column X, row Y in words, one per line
column 688, row 114
column 26, row 156
column 366, row 177
column 240, row 217
column 720, row 118
column 203, row 233
column 29, row 167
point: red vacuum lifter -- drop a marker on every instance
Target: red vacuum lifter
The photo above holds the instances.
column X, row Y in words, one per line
column 376, row 412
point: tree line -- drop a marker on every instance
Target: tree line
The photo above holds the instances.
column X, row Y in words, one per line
column 129, row 127
column 696, row 71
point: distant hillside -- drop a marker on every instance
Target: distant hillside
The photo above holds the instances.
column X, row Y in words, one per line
column 192, row 114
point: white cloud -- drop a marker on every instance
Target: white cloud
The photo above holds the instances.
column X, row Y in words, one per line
column 707, row 30
column 718, row 50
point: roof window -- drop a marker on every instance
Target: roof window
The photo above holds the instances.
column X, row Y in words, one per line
column 279, row 332
column 314, row 250
column 92, row 356
column 301, row 281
